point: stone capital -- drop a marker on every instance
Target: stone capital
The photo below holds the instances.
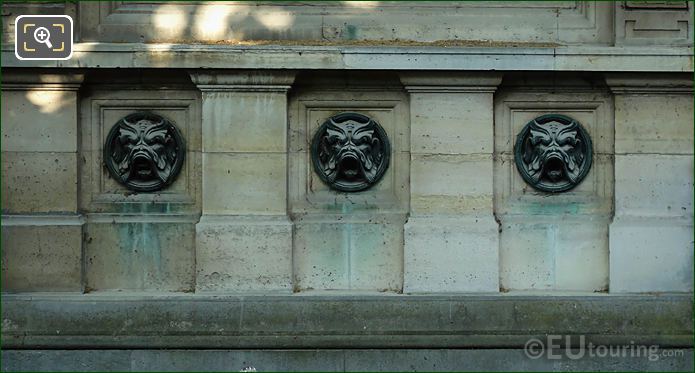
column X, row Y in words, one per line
column 450, row 81
column 25, row 80
column 242, row 80
column 680, row 83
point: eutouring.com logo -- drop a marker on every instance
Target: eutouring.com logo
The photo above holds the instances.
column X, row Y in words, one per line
column 552, row 348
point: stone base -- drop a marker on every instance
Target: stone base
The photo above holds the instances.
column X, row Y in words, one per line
column 244, row 254
column 651, row 255
column 451, row 255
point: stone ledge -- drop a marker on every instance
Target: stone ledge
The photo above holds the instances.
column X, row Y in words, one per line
column 194, row 56
column 109, row 320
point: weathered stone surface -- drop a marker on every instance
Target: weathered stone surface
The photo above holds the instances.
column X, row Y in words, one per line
column 349, row 254
column 338, row 360
column 661, row 124
column 450, row 123
column 554, row 253
column 451, row 184
column 654, row 185
column 39, row 182
column 651, row 255
column 39, row 120
column 451, row 255
column 139, row 254
column 42, row 257
column 244, row 254
column 241, row 183
column 245, row 122
column 340, row 321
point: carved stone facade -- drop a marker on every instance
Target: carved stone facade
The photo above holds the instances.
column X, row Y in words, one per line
column 348, row 185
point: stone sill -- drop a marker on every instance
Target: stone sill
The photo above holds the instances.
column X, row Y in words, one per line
column 193, row 56
column 336, row 321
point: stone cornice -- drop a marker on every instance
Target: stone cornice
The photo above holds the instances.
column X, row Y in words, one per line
column 575, row 58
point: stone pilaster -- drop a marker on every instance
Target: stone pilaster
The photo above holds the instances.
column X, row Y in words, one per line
column 651, row 247
column 244, row 237
column 41, row 226
column 451, row 237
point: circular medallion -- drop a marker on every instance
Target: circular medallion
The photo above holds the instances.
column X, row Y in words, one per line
column 350, row 152
column 553, row 153
column 144, row 152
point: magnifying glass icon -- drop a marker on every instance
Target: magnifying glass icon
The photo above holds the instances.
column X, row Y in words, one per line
column 42, row 35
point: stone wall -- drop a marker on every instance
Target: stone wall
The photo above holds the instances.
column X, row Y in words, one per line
column 248, row 223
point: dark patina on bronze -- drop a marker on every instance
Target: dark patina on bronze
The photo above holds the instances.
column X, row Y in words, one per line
column 144, row 152
column 350, row 152
column 553, row 153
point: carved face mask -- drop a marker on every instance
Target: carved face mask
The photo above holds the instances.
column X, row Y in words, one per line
column 553, row 153
column 350, row 152
column 144, row 152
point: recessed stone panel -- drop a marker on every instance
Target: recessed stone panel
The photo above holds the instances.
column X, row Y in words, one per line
column 514, row 109
column 101, row 110
column 308, row 192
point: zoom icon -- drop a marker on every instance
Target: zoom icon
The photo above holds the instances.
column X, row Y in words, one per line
column 43, row 37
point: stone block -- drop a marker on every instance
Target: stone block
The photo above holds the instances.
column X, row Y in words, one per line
column 654, row 124
column 349, row 255
column 41, row 257
column 39, row 120
column 451, row 184
column 451, row 255
column 245, row 122
column 651, row 255
column 451, row 123
column 139, row 255
column 239, row 183
column 39, row 182
column 244, row 254
column 654, row 185
column 554, row 254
